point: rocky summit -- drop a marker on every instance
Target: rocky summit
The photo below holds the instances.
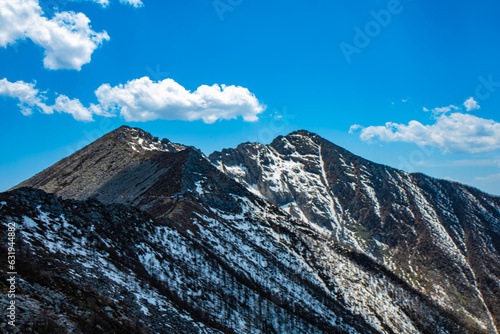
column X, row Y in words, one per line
column 133, row 234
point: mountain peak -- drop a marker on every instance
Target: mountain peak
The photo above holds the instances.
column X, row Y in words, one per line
column 124, row 128
column 84, row 172
column 300, row 136
column 302, row 132
column 141, row 141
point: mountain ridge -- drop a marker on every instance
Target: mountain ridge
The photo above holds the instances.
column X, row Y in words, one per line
column 439, row 238
column 170, row 146
column 369, row 206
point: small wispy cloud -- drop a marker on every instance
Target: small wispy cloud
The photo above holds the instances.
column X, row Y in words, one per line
column 103, row 3
column 462, row 163
column 134, row 3
column 476, row 162
column 471, row 104
column 490, row 178
column 106, row 3
column 29, row 98
column 442, row 110
column 354, row 128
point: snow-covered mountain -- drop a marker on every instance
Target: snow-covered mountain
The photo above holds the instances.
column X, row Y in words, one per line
column 441, row 237
column 299, row 236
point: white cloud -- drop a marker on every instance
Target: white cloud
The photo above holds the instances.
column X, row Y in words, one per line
column 135, row 3
column 490, row 178
column 105, row 3
column 471, row 104
column 476, row 162
column 29, row 97
column 146, row 100
column 442, row 110
column 425, row 109
column 67, row 38
column 463, row 162
column 354, row 127
column 74, row 107
column 456, row 133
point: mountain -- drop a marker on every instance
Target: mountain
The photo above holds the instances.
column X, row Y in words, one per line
column 442, row 237
column 134, row 234
column 80, row 175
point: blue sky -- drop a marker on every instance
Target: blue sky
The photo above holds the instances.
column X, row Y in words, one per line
column 70, row 74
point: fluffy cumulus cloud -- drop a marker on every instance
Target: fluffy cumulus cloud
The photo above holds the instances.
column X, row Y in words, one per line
column 455, row 133
column 67, row 38
column 471, row 104
column 145, row 100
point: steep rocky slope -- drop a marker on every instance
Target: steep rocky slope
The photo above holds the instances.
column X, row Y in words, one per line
column 97, row 268
column 296, row 236
column 441, row 237
column 80, row 175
